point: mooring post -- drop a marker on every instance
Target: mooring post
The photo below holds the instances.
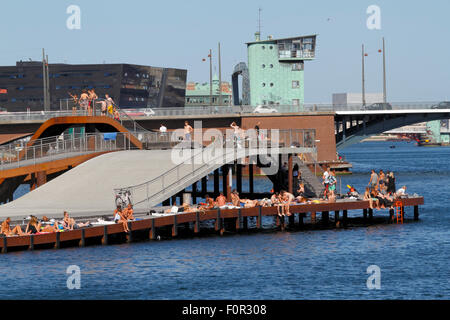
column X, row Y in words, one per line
column 282, row 223
column 245, row 223
column 197, row 222
column 130, row 233
column 152, row 230
column 292, row 220
column 5, row 244
column 259, row 221
column 58, row 237
column 391, row 215
column 105, row 235
column 238, row 220
column 31, row 247
column 83, row 238
column 313, row 218
column 217, row 226
column 300, row 219
column 344, row 217
column 416, row 213
column 175, row 226
column 336, row 216
column 325, row 218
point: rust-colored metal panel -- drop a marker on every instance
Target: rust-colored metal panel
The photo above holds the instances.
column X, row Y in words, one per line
column 19, row 241
column 45, row 238
column 93, row 232
column 70, row 235
column 115, row 228
column 208, row 215
column 163, row 221
column 141, row 224
column 229, row 213
column 250, row 212
column 186, row 217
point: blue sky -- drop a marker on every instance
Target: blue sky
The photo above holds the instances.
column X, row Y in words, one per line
column 174, row 33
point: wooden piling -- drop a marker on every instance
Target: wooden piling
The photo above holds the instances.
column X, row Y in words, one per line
column 83, row 238
column 130, row 233
column 5, row 244
column 152, row 234
column 313, row 218
column 31, row 247
column 325, row 218
column 365, row 214
column 58, row 242
column 197, row 222
column 105, row 235
column 239, row 219
column 259, row 221
column 175, row 226
column 416, row 213
column 370, row 214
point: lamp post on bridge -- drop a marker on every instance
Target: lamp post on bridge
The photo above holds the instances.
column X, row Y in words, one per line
column 363, row 79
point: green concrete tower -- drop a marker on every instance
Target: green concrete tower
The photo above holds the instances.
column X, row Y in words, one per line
column 276, row 69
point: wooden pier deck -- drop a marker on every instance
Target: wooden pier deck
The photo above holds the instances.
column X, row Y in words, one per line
column 150, row 224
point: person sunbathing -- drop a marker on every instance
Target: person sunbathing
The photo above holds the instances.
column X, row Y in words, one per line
column 301, row 197
column 6, row 229
column 235, row 200
column 33, row 226
column 51, row 225
column 249, row 203
column 221, row 200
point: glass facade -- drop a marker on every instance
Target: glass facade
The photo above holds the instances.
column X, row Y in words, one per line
column 131, row 86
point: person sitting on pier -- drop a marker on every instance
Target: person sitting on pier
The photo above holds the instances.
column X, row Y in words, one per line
column 128, row 212
column 287, row 199
column 33, row 226
column 6, row 229
column 67, row 222
column 209, row 202
column 301, row 196
column 235, row 200
column 400, row 192
column 120, row 218
column 51, row 225
column 368, row 197
column 275, row 201
column 221, row 200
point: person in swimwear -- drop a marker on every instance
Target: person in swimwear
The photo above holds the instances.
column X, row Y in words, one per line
column 6, row 229
column 221, row 200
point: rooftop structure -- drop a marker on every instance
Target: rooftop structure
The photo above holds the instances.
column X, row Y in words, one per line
column 131, row 86
column 198, row 94
column 276, row 69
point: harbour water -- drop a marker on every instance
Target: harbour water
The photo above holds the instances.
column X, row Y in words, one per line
column 326, row 264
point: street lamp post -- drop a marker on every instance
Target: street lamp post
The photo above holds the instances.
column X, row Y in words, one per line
column 210, row 77
column 363, row 80
column 384, row 73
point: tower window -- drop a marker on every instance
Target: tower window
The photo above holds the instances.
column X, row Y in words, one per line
column 295, row 84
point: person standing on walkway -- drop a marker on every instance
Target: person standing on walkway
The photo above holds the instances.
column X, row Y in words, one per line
column 187, row 131
column 109, row 104
column 326, row 182
column 84, row 100
column 373, row 179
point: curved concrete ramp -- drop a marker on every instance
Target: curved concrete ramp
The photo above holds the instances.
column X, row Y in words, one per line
column 88, row 189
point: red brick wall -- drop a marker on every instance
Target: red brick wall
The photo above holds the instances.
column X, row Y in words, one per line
column 322, row 123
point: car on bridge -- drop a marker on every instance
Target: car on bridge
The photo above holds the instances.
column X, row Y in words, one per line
column 265, row 109
column 378, row 106
column 442, row 105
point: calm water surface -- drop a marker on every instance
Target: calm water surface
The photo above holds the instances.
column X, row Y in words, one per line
column 329, row 264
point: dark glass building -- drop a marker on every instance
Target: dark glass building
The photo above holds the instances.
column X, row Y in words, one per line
column 131, row 86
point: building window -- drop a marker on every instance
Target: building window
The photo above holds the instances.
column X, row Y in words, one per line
column 295, row 102
column 263, row 66
column 271, row 47
column 263, row 47
column 297, row 66
column 271, row 84
column 263, row 84
column 295, row 84
column 271, row 65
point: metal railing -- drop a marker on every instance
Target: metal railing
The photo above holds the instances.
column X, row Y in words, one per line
column 129, row 120
column 56, row 148
column 219, row 150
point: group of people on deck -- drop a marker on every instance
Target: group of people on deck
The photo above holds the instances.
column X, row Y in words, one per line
column 36, row 226
column 381, row 192
column 87, row 100
column 124, row 215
